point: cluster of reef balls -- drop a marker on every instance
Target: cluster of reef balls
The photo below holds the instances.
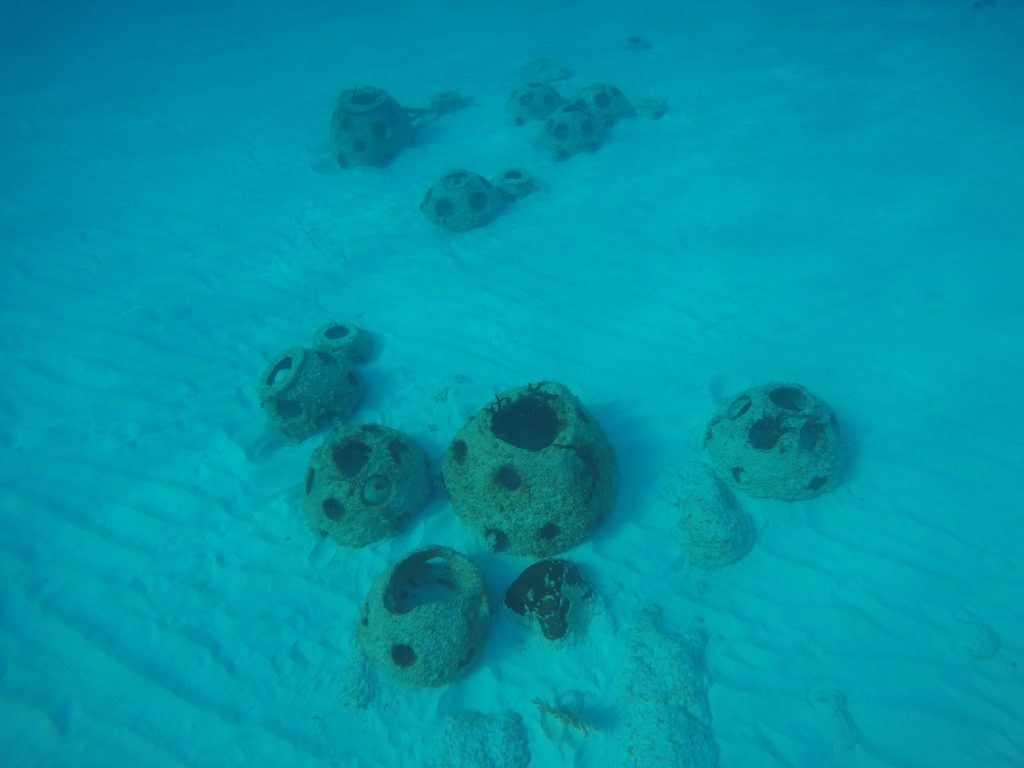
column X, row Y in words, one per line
column 532, row 474
column 580, row 123
column 369, row 128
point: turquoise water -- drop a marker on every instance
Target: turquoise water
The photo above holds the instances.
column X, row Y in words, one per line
column 833, row 198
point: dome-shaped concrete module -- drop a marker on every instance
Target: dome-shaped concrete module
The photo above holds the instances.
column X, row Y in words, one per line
column 533, row 101
column 426, row 618
column 533, row 472
column 551, row 593
column 572, row 129
column 461, row 200
column 345, row 341
column 516, row 184
column 364, row 483
column 606, row 102
column 368, row 127
column 305, row 389
column 776, row 441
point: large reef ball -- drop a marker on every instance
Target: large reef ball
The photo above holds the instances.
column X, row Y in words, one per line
column 533, row 472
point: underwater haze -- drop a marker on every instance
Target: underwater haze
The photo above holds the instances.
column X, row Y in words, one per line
column 824, row 195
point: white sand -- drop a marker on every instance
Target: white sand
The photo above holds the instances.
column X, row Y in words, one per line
column 835, row 199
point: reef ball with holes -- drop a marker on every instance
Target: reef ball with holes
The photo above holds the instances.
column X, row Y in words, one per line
column 368, row 127
column 533, row 101
column 776, row 441
column 572, row 129
column 606, row 102
column 462, row 200
column 533, row 472
column 345, row 341
column 425, row 619
column 303, row 390
column 364, row 483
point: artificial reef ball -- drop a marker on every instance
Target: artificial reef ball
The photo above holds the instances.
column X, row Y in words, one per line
column 532, row 473
column 572, row 129
column 533, row 101
column 606, row 102
column 368, row 127
column 776, row 441
column 364, row 483
column 303, row 390
column 426, row 618
column 461, row 200
column 345, row 341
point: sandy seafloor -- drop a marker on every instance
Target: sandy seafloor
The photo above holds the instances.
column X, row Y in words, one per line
column 835, row 198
